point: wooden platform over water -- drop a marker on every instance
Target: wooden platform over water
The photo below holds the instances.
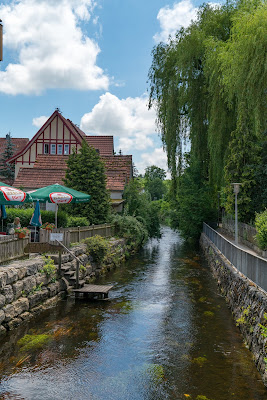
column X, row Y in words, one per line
column 93, row 291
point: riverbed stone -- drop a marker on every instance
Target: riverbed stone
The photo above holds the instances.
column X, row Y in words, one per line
column 2, row 301
column 8, row 293
column 17, row 289
column 28, row 284
column 21, row 305
column 12, row 275
column 9, row 311
column 53, row 289
column 38, row 309
column 2, row 330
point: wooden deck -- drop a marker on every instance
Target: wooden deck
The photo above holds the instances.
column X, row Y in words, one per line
column 93, row 291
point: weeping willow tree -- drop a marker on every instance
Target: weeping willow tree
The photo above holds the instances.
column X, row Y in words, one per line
column 209, row 85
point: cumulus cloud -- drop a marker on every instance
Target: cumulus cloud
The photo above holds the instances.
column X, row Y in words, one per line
column 157, row 157
column 129, row 119
column 52, row 50
column 173, row 18
column 39, row 121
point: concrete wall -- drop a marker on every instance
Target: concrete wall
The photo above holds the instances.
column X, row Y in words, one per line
column 246, row 300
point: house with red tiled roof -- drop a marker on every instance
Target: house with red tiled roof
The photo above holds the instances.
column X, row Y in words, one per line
column 42, row 161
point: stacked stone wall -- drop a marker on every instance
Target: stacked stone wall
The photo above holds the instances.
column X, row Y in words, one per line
column 26, row 290
column 247, row 302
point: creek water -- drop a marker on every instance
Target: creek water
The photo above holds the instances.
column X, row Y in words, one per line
column 165, row 333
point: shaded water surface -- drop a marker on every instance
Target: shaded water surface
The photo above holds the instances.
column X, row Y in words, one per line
column 165, row 333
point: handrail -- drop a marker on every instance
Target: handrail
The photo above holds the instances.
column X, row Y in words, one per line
column 78, row 261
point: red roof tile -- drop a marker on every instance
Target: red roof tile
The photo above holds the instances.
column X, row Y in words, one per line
column 19, row 143
column 50, row 169
column 102, row 143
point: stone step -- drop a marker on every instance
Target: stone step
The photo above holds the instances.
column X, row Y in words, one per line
column 69, row 273
column 65, row 268
column 73, row 282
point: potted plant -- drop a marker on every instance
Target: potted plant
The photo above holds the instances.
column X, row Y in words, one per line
column 48, row 226
column 22, row 232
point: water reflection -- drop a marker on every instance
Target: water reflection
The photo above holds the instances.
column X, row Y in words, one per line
column 164, row 334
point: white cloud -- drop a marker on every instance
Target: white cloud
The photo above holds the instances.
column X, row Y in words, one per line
column 53, row 51
column 158, row 157
column 173, row 18
column 39, row 121
column 129, row 119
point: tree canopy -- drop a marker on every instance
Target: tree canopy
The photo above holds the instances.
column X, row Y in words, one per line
column 86, row 173
column 209, row 85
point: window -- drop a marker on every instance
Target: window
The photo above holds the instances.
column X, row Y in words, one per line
column 46, row 148
column 53, row 149
column 66, row 149
column 59, row 148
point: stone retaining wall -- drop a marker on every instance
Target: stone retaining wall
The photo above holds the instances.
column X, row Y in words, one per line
column 247, row 302
column 25, row 290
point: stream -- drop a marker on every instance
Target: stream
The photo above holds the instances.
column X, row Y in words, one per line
column 164, row 333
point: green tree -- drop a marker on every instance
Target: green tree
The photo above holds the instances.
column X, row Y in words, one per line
column 7, row 170
column 86, row 173
column 154, row 182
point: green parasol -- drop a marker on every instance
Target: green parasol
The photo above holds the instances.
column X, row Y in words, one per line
column 59, row 194
column 11, row 196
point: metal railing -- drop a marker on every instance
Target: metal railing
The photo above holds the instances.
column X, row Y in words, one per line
column 253, row 267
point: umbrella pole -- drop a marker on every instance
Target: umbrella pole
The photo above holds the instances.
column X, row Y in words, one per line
column 56, row 215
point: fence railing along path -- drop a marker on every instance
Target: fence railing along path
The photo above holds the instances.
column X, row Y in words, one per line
column 12, row 247
column 252, row 266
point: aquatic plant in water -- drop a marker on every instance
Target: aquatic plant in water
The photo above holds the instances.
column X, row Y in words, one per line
column 31, row 342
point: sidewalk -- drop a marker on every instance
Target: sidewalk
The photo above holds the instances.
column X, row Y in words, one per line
column 239, row 245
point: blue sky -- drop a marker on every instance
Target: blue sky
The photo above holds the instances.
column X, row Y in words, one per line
column 90, row 58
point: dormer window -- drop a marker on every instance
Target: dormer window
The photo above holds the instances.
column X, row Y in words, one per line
column 53, row 149
column 46, row 148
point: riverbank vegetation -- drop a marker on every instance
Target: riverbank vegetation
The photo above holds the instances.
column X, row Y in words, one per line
column 208, row 85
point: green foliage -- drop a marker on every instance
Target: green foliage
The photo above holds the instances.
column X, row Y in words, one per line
column 26, row 214
column 7, row 170
column 86, row 173
column 264, row 327
column 208, row 85
column 130, row 228
column 261, row 227
column 138, row 204
column 77, row 221
column 97, row 248
column 49, row 268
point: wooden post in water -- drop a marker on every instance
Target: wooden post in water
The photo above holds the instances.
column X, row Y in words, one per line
column 77, row 274
column 59, row 262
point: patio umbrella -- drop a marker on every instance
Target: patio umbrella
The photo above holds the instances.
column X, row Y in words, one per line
column 59, row 194
column 36, row 219
column 12, row 196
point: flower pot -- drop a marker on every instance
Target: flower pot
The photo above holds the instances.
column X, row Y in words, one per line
column 21, row 235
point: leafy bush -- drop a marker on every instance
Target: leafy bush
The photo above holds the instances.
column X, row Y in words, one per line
column 77, row 221
column 97, row 248
column 261, row 227
column 130, row 228
column 26, row 214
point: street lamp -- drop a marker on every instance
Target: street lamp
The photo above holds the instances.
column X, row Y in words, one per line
column 236, row 191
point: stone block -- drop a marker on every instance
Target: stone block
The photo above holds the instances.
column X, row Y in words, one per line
column 64, row 258
column 12, row 275
column 38, row 297
column 21, row 305
column 3, row 278
column 2, row 316
column 8, row 293
column 26, row 316
column 38, row 309
column 2, row 330
column 21, row 271
column 9, row 311
column 14, row 323
column 53, row 289
column 64, row 284
column 28, row 284
column 41, row 279
column 2, row 301
column 17, row 289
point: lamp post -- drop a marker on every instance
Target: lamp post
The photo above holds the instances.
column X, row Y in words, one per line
column 236, row 191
